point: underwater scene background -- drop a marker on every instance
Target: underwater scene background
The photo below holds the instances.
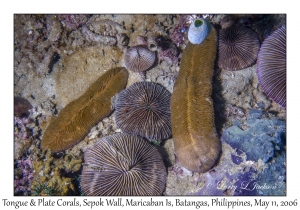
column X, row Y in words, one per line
column 121, row 104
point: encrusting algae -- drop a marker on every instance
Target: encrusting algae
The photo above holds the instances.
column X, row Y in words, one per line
column 51, row 174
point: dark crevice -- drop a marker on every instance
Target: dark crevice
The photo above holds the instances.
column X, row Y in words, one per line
column 54, row 60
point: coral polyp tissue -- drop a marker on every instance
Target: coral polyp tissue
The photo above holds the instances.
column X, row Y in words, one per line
column 144, row 110
column 179, row 97
column 195, row 139
column 238, row 47
column 77, row 118
column 271, row 66
column 115, row 164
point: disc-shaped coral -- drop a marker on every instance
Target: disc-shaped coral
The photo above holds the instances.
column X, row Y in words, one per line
column 238, row 47
column 139, row 58
column 271, row 66
column 76, row 119
column 143, row 109
column 122, row 165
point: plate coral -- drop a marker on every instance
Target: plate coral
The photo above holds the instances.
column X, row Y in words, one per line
column 143, row 109
column 122, row 165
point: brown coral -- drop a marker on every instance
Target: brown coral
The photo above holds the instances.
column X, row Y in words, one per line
column 123, row 165
column 192, row 114
column 76, row 119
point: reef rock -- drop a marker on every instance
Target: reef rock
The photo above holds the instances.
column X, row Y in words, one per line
column 260, row 140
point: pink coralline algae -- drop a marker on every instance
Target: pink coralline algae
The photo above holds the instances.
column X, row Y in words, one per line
column 73, row 22
column 170, row 55
column 21, row 131
column 23, row 175
column 178, row 34
column 235, row 112
column 23, row 135
column 166, row 49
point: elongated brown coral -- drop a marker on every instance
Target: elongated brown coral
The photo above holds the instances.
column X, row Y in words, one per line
column 195, row 139
column 76, row 119
column 121, row 165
